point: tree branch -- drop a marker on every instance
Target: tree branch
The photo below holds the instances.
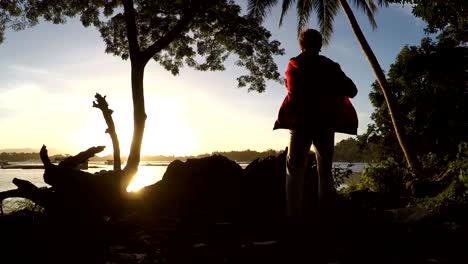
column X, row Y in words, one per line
column 53, row 174
column 74, row 161
column 45, row 157
column 167, row 38
column 132, row 31
column 102, row 104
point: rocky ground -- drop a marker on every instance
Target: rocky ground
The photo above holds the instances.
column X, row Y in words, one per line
column 212, row 211
column 346, row 236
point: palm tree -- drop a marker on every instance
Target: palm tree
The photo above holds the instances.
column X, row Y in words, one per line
column 326, row 11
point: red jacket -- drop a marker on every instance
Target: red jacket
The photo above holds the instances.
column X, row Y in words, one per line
column 318, row 96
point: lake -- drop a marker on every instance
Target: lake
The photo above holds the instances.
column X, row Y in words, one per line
column 148, row 173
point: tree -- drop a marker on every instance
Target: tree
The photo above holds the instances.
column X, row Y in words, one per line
column 196, row 33
column 347, row 150
column 326, row 11
column 429, row 84
column 355, row 150
column 441, row 15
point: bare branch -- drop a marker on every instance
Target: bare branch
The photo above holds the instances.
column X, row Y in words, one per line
column 74, row 161
column 45, row 157
column 102, row 104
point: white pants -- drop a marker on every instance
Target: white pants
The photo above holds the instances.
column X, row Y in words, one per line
column 296, row 167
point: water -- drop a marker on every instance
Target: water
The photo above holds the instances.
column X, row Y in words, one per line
column 148, row 173
column 356, row 167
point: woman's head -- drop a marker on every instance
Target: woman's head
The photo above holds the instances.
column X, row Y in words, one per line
column 311, row 40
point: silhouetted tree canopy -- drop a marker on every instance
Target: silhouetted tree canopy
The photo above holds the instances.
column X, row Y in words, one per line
column 429, row 84
column 441, row 15
column 197, row 33
column 215, row 30
column 353, row 150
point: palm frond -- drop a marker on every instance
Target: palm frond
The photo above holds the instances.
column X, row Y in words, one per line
column 383, row 3
column 369, row 7
column 258, row 9
column 284, row 8
column 326, row 12
column 304, row 7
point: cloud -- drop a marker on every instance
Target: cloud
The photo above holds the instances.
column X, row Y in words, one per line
column 6, row 112
column 32, row 99
column 29, row 69
column 33, row 116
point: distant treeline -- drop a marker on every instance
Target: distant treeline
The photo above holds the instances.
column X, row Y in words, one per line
column 246, row 155
column 239, row 156
column 352, row 150
column 346, row 150
column 23, row 156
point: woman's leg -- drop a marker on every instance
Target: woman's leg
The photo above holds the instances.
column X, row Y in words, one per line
column 324, row 144
column 296, row 166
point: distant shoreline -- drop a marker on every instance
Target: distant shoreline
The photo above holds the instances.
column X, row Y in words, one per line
column 245, row 156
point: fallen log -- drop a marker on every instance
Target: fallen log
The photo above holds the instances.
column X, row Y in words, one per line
column 100, row 192
column 40, row 196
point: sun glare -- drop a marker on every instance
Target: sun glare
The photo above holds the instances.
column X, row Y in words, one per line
column 166, row 133
column 146, row 175
column 166, row 130
column 142, row 179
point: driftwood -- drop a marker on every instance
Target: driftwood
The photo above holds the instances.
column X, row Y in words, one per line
column 40, row 196
column 102, row 104
column 101, row 193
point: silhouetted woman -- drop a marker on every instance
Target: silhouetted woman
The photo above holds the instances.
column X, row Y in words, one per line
column 315, row 107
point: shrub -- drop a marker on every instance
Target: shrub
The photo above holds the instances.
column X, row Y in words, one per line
column 456, row 194
column 388, row 176
column 341, row 174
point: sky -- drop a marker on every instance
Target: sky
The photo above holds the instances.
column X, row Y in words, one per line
column 49, row 75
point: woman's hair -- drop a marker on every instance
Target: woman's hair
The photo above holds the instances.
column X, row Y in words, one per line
column 310, row 39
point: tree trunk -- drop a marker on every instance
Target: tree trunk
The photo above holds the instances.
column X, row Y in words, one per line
column 412, row 162
column 139, row 118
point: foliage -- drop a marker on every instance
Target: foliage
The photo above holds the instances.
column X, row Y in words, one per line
column 388, row 176
column 215, row 30
column 244, row 155
column 456, row 194
column 353, row 150
column 239, row 156
column 347, row 150
column 23, row 156
column 325, row 10
column 197, row 33
column 340, row 174
column 428, row 84
column 247, row 155
column 441, row 15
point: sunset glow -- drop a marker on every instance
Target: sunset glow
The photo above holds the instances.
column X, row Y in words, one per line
column 46, row 97
column 166, row 131
column 146, row 175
